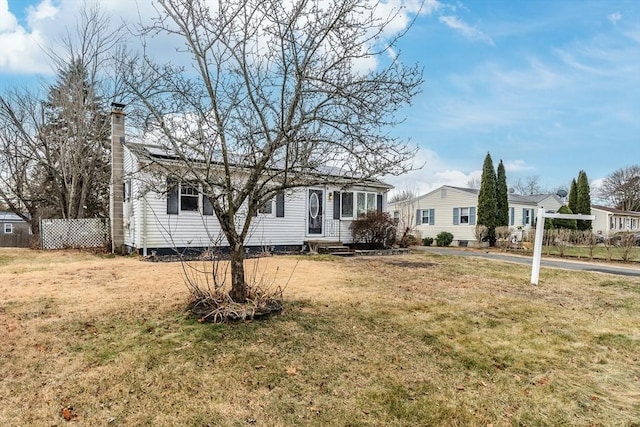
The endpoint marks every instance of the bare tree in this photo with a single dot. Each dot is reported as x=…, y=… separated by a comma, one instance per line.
x=404, y=207
x=622, y=188
x=53, y=150
x=474, y=183
x=530, y=185
x=283, y=95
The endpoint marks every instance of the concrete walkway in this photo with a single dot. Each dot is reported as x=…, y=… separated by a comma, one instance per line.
x=631, y=271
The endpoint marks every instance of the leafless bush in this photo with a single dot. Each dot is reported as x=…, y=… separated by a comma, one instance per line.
x=562, y=240
x=587, y=238
x=480, y=233
x=502, y=236
x=208, y=282
x=626, y=243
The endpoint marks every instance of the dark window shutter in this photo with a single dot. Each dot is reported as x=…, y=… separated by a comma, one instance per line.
x=280, y=205
x=207, y=207
x=432, y=216
x=512, y=211
x=472, y=216
x=379, y=203
x=418, y=217
x=172, y=197
x=456, y=216
x=336, y=205
x=524, y=216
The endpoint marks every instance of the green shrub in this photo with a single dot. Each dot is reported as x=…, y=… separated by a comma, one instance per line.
x=427, y=241
x=569, y=224
x=444, y=238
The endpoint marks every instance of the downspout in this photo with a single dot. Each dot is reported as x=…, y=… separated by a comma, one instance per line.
x=144, y=226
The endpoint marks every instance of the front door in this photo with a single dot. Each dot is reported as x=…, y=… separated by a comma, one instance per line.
x=315, y=212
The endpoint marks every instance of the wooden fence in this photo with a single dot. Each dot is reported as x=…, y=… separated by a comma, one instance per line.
x=16, y=240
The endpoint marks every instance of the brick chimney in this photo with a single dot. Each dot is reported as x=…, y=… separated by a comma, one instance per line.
x=116, y=196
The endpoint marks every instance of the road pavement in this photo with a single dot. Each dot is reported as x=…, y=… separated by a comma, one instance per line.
x=631, y=271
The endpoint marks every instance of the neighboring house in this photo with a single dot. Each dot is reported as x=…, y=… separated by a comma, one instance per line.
x=14, y=231
x=454, y=209
x=183, y=218
x=610, y=220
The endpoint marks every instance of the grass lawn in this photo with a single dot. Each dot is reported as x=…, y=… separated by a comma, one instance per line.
x=407, y=340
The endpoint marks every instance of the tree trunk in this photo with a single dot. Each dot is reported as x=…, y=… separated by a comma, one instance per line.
x=238, y=284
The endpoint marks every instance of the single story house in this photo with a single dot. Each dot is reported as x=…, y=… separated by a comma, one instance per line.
x=454, y=209
x=182, y=217
x=610, y=220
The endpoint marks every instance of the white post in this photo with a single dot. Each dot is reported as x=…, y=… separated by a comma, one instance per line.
x=537, y=247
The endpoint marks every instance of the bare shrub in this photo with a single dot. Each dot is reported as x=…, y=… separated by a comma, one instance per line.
x=376, y=229
x=208, y=282
x=480, y=232
x=626, y=243
x=503, y=235
x=562, y=240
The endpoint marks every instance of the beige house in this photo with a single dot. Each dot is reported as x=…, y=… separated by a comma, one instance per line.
x=610, y=221
x=454, y=209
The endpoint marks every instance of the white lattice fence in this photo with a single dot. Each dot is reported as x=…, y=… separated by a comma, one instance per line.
x=74, y=233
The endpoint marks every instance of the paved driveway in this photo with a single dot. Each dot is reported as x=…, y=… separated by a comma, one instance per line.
x=545, y=262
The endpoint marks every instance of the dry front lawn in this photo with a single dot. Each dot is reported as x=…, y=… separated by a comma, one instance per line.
x=382, y=341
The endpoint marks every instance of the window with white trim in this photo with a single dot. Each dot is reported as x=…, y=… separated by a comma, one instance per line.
x=8, y=229
x=464, y=215
x=396, y=217
x=425, y=216
x=266, y=208
x=528, y=216
x=189, y=197
x=364, y=202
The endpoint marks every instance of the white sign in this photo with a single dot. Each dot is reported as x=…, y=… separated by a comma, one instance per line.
x=537, y=247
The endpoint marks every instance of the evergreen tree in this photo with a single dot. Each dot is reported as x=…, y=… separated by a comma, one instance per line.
x=583, y=203
x=572, y=203
x=502, y=197
x=487, y=201
x=570, y=224
x=75, y=142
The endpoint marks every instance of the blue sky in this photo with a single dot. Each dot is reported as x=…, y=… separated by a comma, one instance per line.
x=548, y=86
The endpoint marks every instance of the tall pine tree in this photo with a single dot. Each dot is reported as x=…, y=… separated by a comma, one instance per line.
x=583, y=203
x=502, y=197
x=487, y=200
x=572, y=203
x=75, y=143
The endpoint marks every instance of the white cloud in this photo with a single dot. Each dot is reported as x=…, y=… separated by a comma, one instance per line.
x=8, y=21
x=517, y=166
x=614, y=17
x=435, y=173
x=468, y=31
x=42, y=11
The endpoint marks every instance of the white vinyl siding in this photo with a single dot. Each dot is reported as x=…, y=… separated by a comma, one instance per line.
x=443, y=201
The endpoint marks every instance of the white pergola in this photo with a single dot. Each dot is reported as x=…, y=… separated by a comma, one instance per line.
x=537, y=247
